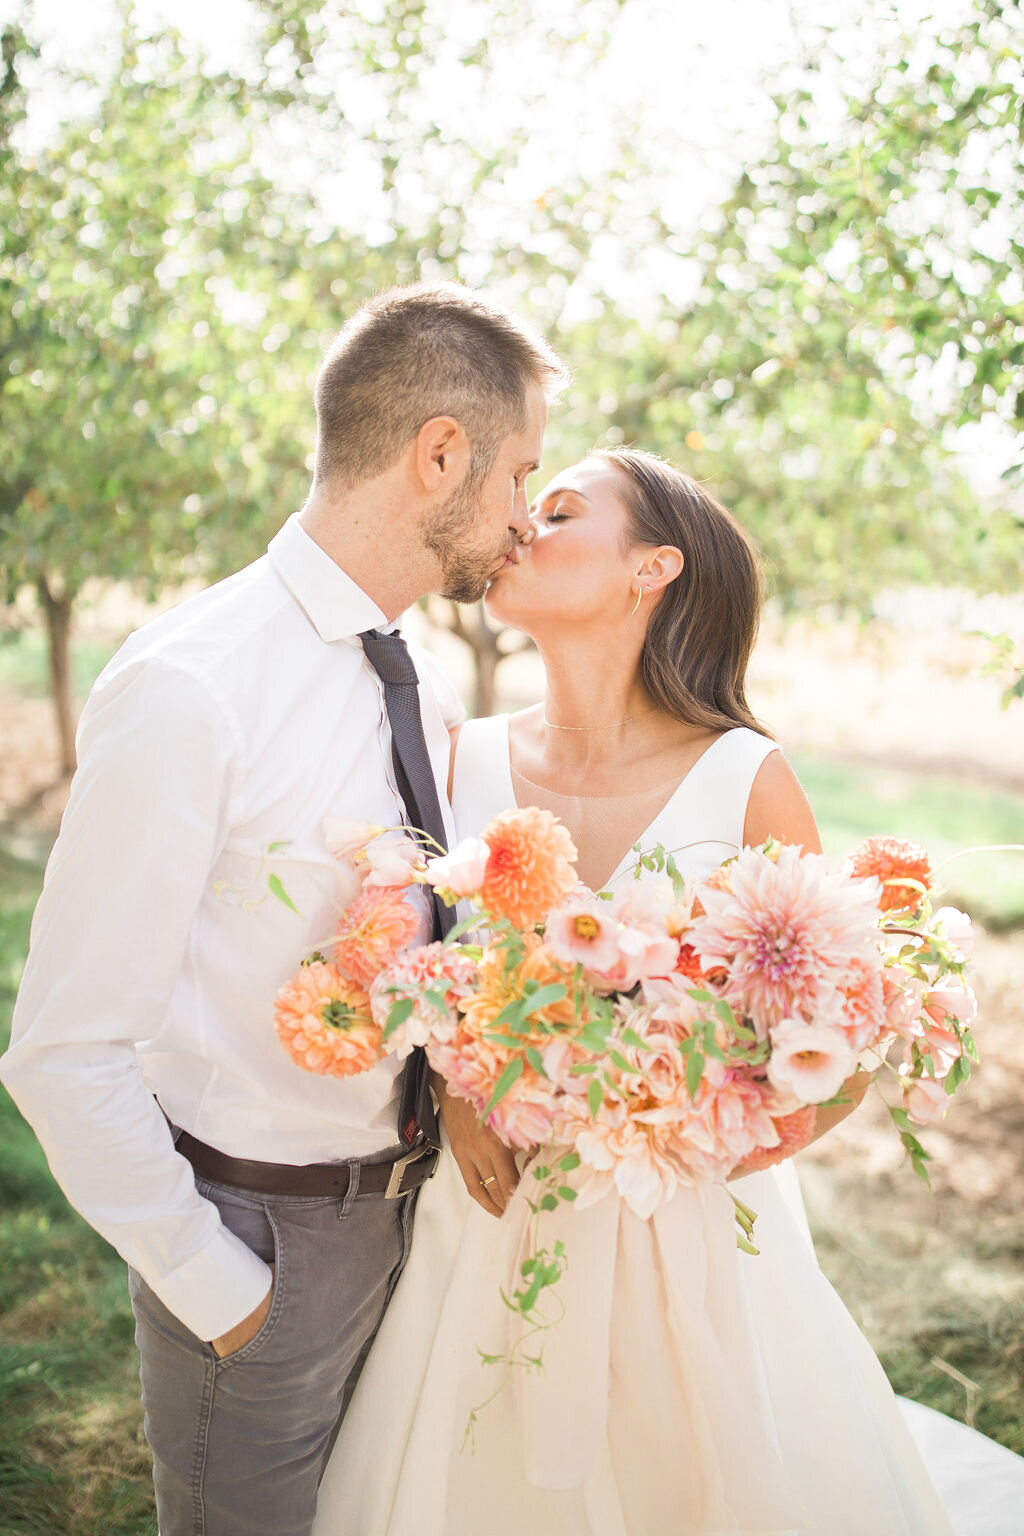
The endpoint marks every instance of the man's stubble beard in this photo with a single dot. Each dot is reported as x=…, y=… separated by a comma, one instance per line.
x=465, y=573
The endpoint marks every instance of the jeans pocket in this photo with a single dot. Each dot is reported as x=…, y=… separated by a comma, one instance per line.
x=244, y=1215
x=275, y=1256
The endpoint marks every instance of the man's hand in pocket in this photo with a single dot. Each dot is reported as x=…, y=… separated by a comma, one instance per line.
x=244, y=1332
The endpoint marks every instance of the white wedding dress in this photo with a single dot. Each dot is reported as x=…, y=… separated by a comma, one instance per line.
x=691, y=1389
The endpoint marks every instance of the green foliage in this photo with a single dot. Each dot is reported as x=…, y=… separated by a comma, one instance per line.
x=857, y=296
x=143, y=267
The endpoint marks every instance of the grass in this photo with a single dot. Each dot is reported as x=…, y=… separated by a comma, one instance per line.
x=936, y=1286
x=73, y=1461
x=854, y=800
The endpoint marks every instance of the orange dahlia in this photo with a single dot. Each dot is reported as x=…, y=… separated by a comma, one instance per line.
x=497, y=986
x=889, y=858
x=372, y=930
x=530, y=868
x=324, y=1022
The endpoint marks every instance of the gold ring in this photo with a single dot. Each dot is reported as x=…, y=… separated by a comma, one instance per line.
x=491, y=1180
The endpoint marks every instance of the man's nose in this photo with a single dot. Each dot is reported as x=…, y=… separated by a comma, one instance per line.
x=519, y=522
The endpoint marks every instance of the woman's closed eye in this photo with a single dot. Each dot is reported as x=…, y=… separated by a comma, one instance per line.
x=555, y=517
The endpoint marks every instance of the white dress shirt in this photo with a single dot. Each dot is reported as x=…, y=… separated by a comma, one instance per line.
x=238, y=721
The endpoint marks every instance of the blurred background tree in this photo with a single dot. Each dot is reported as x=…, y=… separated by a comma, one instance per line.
x=176, y=256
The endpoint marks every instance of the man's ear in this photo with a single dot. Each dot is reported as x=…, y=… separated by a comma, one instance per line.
x=661, y=566
x=441, y=455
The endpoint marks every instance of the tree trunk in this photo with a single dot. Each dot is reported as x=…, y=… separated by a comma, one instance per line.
x=57, y=609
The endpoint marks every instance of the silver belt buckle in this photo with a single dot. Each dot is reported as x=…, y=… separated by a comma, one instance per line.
x=394, y=1188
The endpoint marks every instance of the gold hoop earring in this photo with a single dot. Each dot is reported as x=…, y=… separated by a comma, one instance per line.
x=636, y=605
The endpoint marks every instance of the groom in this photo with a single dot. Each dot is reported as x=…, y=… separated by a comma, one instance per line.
x=266, y=1213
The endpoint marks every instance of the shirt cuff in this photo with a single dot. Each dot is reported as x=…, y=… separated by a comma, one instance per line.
x=217, y=1288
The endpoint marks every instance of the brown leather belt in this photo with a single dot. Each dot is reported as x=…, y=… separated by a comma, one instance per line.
x=311, y=1179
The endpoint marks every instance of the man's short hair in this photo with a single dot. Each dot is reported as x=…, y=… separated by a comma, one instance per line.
x=410, y=354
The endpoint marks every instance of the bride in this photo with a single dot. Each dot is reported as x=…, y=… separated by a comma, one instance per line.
x=691, y=1389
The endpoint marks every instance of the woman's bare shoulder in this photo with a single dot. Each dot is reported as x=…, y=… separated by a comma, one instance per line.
x=778, y=807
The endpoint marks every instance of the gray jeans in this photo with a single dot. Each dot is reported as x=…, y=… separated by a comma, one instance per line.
x=239, y=1445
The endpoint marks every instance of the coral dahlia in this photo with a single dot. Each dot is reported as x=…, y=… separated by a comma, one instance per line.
x=531, y=865
x=324, y=1023
x=372, y=930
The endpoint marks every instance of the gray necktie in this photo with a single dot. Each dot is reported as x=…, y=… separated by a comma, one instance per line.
x=389, y=657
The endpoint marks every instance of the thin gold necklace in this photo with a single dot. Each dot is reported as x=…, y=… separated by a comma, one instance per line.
x=607, y=727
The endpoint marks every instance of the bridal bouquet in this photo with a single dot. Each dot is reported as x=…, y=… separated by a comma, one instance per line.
x=674, y=1032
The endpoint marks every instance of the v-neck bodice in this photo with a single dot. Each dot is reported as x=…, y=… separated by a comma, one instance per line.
x=698, y=818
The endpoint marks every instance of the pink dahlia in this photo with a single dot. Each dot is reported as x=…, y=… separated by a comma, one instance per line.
x=862, y=1013
x=785, y=932
x=446, y=973
x=372, y=930
x=730, y=1120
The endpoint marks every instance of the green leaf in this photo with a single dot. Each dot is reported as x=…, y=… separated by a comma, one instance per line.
x=617, y=1059
x=276, y=847
x=278, y=890
x=543, y=997
x=397, y=1015
x=565, y=1192
x=694, y=1073
x=570, y=1161
x=512, y=1073
x=595, y=1098
x=549, y=1203
x=455, y=934
x=630, y=1037
x=536, y=1061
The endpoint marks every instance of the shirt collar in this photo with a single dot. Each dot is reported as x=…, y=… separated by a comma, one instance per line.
x=335, y=605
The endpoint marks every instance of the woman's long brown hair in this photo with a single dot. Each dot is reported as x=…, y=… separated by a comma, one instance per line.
x=699, y=640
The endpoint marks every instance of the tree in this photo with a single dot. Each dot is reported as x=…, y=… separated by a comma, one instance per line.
x=167, y=293
x=857, y=297
x=131, y=394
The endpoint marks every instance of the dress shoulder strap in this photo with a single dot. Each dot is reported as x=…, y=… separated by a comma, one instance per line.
x=703, y=822
x=732, y=769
